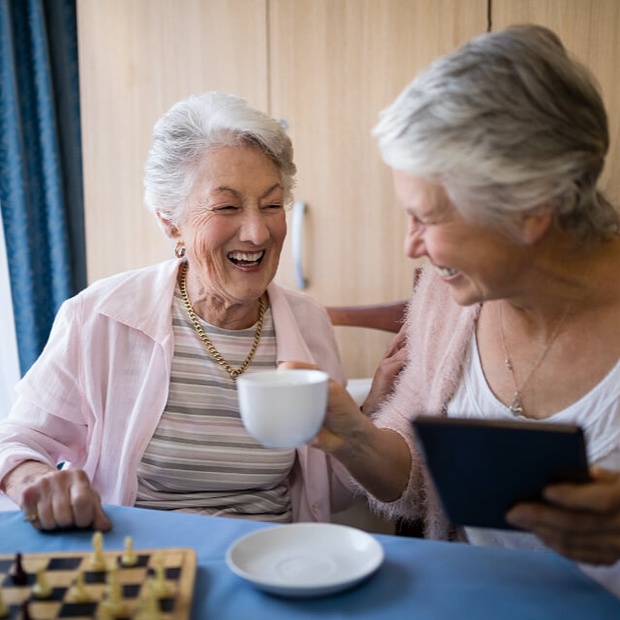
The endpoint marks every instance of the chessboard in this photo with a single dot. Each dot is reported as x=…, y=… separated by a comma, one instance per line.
x=157, y=584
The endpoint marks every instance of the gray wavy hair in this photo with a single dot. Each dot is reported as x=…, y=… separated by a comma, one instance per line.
x=196, y=126
x=506, y=123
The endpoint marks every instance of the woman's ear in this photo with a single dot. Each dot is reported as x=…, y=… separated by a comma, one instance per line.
x=536, y=223
x=171, y=230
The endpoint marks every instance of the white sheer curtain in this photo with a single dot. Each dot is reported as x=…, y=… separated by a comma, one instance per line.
x=9, y=360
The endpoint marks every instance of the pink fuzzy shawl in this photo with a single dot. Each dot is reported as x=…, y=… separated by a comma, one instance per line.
x=438, y=332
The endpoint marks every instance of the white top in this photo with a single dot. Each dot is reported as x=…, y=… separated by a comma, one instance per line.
x=597, y=412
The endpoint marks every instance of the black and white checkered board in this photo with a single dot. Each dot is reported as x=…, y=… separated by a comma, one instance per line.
x=61, y=570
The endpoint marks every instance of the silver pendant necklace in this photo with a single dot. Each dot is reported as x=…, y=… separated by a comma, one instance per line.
x=516, y=406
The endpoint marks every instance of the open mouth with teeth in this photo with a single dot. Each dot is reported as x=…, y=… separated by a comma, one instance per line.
x=446, y=272
x=246, y=259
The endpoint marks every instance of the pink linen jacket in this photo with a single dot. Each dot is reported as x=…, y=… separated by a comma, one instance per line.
x=95, y=396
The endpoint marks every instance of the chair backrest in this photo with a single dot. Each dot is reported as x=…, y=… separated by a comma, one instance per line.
x=386, y=317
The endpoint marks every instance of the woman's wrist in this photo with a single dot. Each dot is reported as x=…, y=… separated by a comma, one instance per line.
x=22, y=476
x=379, y=459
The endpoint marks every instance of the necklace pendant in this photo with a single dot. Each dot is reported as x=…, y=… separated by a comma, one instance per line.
x=516, y=408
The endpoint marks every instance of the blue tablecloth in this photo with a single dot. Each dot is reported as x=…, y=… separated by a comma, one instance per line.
x=418, y=579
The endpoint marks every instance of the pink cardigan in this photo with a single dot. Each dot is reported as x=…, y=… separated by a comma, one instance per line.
x=95, y=395
x=438, y=333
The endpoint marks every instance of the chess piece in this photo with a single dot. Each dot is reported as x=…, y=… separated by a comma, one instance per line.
x=114, y=602
x=129, y=557
x=160, y=585
x=4, y=610
x=97, y=560
x=41, y=588
x=103, y=613
x=78, y=592
x=148, y=607
x=18, y=575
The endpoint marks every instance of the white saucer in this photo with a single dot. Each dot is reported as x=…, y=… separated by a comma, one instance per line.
x=305, y=559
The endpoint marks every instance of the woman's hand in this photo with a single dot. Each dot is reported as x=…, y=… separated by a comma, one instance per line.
x=581, y=521
x=53, y=499
x=343, y=422
x=377, y=458
x=342, y=417
x=389, y=368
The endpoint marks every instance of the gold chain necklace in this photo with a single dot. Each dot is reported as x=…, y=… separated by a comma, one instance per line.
x=233, y=372
x=516, y=406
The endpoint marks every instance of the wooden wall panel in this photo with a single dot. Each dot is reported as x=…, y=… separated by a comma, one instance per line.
x=325, y=66
x=590, y=29
x=137, y=57
x=334, y=65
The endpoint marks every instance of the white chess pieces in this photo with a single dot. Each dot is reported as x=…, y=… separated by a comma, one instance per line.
x=4, y=611
x=114, y=602
x=41, y=588
x=103, y=613
x=148, y=608
x=160, y=585
x=129, y=557
x=97, y=560
x=78, y=592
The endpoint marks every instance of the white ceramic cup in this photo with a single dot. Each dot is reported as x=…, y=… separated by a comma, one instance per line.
x=283, y=408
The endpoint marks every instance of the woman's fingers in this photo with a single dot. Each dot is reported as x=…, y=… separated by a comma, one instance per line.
x=580, y=521
x=294, y=364
x=602, y=495
x=386, y=373
x=64, y=499
x=593, y=546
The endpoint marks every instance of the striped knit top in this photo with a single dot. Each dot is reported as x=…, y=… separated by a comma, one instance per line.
x=201, y=459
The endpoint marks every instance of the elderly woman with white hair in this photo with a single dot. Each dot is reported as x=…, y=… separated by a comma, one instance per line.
x=496, y=151
x=135, y=390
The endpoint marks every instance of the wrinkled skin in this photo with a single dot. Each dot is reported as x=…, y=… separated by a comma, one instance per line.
x=59, y=499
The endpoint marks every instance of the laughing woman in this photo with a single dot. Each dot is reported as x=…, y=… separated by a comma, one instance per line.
x=135, y=390
x=496, y=152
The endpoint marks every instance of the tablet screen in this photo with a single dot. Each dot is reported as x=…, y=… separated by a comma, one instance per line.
x=481, y=468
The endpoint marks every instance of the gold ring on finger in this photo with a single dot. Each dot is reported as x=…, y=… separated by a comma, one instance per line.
x=31, y=518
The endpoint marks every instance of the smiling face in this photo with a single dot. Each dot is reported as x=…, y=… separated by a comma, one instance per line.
x=476, y=261
x=233, y=227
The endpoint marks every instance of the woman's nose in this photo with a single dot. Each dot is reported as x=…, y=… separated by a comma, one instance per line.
x=414, y=244
x=254, y=228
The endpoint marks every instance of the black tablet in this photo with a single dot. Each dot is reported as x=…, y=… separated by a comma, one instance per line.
x=481, y=468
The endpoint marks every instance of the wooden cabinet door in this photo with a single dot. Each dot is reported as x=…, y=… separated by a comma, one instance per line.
x=590, y=30
x=334, y=64
x=137, y=57
x=326, y=67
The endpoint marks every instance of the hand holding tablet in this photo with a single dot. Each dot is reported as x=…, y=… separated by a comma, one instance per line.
x=482, y=468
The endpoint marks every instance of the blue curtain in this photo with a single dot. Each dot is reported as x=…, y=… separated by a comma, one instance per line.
x=40, y=164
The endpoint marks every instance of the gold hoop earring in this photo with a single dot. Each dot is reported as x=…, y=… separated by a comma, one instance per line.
x=179, y=249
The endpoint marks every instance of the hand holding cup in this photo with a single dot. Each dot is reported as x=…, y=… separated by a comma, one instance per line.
x=283, y=408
